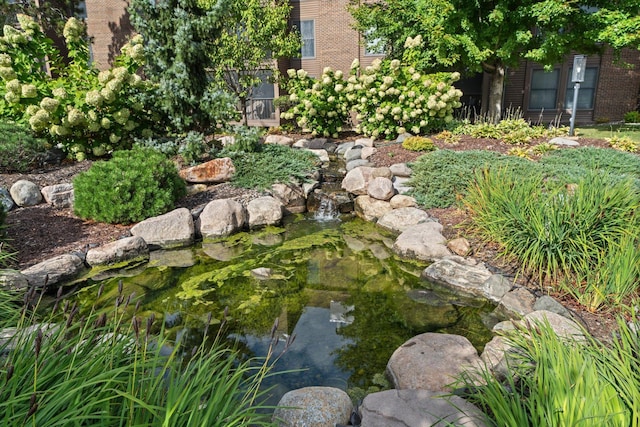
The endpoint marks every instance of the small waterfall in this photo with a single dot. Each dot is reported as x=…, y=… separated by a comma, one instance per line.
x=327, y=209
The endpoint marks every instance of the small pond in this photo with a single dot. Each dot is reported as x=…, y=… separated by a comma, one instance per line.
x=335, y=284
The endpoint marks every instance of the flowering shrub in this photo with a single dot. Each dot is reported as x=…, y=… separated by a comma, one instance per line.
x=319, y=105
x=83, y=111
x=390, y=97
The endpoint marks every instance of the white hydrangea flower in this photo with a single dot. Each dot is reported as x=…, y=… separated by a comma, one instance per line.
x=301, y=74
x=395, y=64
x=104, y=76
x=355, y=64
x=29, y=91
x=338, y=88
x=113, y=138
x=75, y=117
x=49, y=104
x=108, y=95
x=93, y=98
x=105, y=123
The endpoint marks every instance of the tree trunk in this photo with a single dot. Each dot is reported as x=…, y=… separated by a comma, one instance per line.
x=496, y=90
x=245, y=115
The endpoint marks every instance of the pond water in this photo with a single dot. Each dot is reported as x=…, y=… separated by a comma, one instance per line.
x=336, y=285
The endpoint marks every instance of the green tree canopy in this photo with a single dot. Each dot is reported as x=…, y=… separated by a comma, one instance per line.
x=483, y=35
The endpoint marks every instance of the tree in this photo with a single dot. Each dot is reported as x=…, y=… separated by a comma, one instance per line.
x=489, y=35
x=251, y=41
x=180, y=36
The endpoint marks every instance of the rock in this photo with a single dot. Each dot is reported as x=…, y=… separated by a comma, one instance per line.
x=465, y=276
x=358, y=163
x=564, y=141
x=196, y=188
x=216, y=170
x=431, y=361
x=264, y=211
x=227, y=140
x=292, y=197
x=365, y=142
x=368, y=152
x=401, y=184
x=516, y=303
x=496, y=287
x=380, y=188
x=301, y=143
x=321, y=153
x=494, y=353
x=401, y=170
x=6, y=202
x=174, y=229
x=422, y=241
x=342, y=148
x=357, y=180
x=279, y=140
x=402, y=408
x=354, y=153
x=400, y=139
x=331, y=147
x=317, y=143
x=370, y=209
x=127, y=249
x=563, y=327
x=313, y=407
x=262, y=273
x=401, y=201
x=382, y=172
x=54, y=270
x=59, y=195
x=25, y=193
x=547, y=303
x=181, y=258
x=398, y=220
x=308, y=187
x=13, y=280
x=459, y=246
x=221, y=218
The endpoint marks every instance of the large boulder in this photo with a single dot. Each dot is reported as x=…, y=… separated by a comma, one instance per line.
x=313, y=407
x=371, y=209
x=221, y=218
x=13, y=280
x=432, y=361
x=263, y=211
x=128, y=249
x=6, y=201
x=54, y=270
x=357, y=180
x=516, y=303
x=381, y=188
x=422, y=241
x=402, y=408
x=292, y=197
x=25, y=193
x=279, y=140
x=401, y=169
x=400, y=219
x=174, y=229
x=59, y=195
x=216, y=170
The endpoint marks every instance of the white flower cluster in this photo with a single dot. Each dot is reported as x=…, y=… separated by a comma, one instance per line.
x=73, y=30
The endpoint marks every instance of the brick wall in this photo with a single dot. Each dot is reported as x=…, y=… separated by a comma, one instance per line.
x=109, y=27
x=618, y=86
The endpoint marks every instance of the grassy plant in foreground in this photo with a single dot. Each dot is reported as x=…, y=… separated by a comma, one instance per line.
x=100, y=370
x=554, y=381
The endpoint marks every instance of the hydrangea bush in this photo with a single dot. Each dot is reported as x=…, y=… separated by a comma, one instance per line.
x=390, y=97
x=81, y=110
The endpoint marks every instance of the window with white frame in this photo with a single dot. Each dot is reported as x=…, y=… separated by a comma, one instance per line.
x=587, y=91
x=308, y=36
x=373, y=45
x=544, y=89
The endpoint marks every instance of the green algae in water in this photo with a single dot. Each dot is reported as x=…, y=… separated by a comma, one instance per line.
x=337, y=286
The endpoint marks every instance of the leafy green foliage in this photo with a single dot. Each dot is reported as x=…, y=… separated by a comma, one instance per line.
x=122, y=372
x=511, y=131
x=180, y=40
x=130, y=187
x=632, y=117
x=88, y=113
x=623, y=143
x=418, y=143
x=247, y=139
x=20, y=151
x=272, y=164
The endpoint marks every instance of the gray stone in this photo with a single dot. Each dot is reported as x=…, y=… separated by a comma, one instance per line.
x=262, y=273
x=321, y=153
x=382, y=172
x=279, y=140
x=563, y=327
x=402, y=201
x=432, y=361
x=401, y=170
x=354, y=153
x=313, y=407
x=401, y=184
x=59, y=195
x=172, y=230
x=317, y=143
x=403, y=408
x=368, y=152
x=494, y=352
x=358, y=163
x=516, y=303
x=264, y=211
x=220, y=251
x=292, y=197
x=5, y=200
x=461, y=275
x=122, y=250
x=398, y=220
x=357, y=180
x=497, y=287
x=365, y=142
x=221, y=218
x=548, y=303
x=459, y=246
x=301, y=143
x=25, y=193
x=380, y=188
x=564, y=141
x=370, y=209
x=402, y=137
x=308, y=187
x=342, y=148
x=422, y=241
x=13, y=280
x=54, y=270
x=181, y=258
x=216, y=170
x=227, y=140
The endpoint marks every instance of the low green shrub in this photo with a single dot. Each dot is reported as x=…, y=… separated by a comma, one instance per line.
x=273, y=164
x=418, y=143
x=441, y=177
x=247, y=139
x=130, y=187
x=623, y=143
x=632, y=117
x=20, y=151
x=192, y=147
x=511, y=130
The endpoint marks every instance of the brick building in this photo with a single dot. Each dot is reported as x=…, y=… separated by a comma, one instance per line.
x=609, y=90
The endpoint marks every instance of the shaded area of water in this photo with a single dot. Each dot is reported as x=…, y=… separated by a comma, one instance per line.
x=336, y=285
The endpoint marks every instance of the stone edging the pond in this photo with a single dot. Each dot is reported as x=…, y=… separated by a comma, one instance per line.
x=423, y=367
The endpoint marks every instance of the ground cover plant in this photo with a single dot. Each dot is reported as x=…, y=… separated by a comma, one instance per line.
x=97, y=369
x=20, y=151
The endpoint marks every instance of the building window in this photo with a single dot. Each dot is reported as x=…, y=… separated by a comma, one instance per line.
x=544, y=89
x=260, y=105
x=373, y=45
x=587, y=91
x=307, y=33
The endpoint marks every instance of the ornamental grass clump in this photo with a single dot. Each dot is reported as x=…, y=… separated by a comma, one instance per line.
x=110, y=367
x=132, y=186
